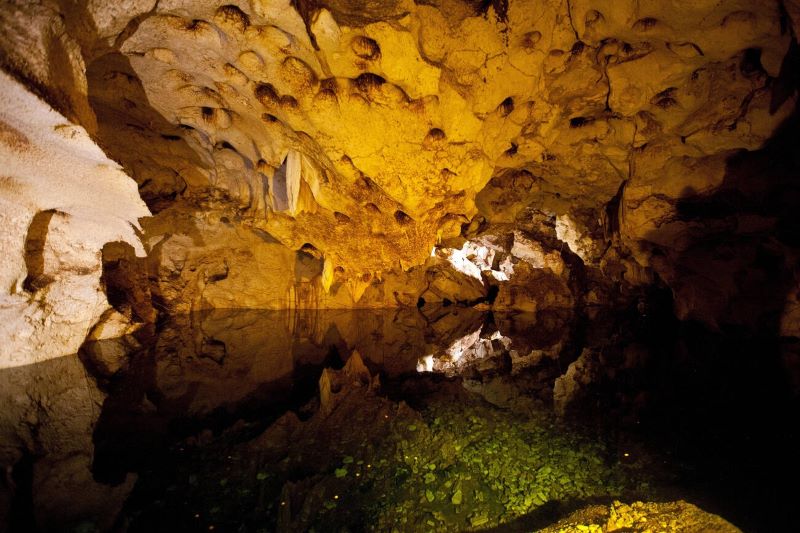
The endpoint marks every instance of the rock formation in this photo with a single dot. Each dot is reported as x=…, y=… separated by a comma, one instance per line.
x=162, y=157
x=62, y=200
x=641, y=516
x=312, y=154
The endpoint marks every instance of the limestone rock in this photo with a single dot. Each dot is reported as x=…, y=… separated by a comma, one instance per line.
x=579, y=242
x=395, y=128
x=62, y=200
x=534, y=254
x=531, y=289
x=309, y=155
x=112, y=324
x=39, y=50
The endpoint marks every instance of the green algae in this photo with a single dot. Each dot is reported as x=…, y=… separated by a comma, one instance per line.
x=467, y=465
x=502, y=464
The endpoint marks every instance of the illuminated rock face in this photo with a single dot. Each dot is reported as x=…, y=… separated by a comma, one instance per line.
x=641, y=516
x=61, y=200
x=311, y=154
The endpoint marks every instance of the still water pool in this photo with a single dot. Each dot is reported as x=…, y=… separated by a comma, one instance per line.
x=400, y=420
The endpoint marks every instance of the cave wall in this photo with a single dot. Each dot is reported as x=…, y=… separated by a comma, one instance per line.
x=62, y=199
x=312, y=154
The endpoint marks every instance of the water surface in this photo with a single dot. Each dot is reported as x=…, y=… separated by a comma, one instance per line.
x=213, y=421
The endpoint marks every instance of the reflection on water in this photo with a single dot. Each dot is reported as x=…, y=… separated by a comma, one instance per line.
x=199, y=371
x=226, y=359
x=47, y=413
x=210, y=369
x=214, y=420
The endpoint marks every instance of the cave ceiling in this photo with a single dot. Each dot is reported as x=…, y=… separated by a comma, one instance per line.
x=370, y=131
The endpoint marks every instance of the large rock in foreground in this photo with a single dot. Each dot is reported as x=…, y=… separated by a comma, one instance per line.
x=667, y=517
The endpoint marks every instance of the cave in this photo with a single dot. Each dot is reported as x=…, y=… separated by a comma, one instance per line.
x=440, y=265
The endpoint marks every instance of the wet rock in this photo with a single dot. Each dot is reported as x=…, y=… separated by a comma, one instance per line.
x=642, y=516
x=581, y=243
x=535, y=255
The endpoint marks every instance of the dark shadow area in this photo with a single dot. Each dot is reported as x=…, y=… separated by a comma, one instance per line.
x=34, y=251
x=125, y=279
x=20, y=481
x=126, y=119
x=174, y=386
x=720, y=397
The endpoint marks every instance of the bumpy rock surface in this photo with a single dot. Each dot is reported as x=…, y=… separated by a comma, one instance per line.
x=369, y=133
x=61, y=200
x=643, y=516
